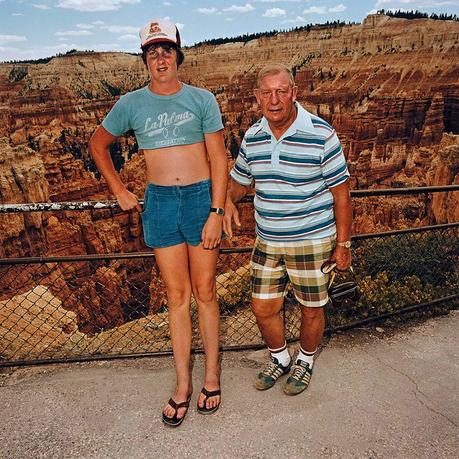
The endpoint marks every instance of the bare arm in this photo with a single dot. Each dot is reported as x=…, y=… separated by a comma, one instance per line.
x=343, y=216
x=98, y=147
x=235, y=193
x=212, y=231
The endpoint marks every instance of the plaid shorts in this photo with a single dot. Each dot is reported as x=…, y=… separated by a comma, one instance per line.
x=274, y=265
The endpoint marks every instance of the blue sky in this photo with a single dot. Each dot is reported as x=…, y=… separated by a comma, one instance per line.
x=31, y=29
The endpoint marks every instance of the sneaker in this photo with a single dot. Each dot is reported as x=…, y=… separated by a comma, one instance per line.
x=299, y=378
x=272, y=372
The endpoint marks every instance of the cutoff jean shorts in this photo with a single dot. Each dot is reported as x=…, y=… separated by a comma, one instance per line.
x=175, y=214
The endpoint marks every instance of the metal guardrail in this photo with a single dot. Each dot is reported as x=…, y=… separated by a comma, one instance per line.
x=98, y=205
x=55, y=309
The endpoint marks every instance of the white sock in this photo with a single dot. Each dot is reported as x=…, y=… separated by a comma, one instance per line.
x=282, y=355
x=306, y=356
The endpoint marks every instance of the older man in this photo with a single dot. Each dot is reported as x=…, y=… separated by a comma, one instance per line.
x=303, y=218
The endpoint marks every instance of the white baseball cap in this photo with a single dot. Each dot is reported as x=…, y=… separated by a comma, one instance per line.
x=159, y=30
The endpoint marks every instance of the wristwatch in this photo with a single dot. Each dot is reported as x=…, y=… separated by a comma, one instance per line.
x=218, y=210
x=345, y=244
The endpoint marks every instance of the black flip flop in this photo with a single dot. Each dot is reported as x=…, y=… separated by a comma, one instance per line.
x=208, y=394
x=174, y=421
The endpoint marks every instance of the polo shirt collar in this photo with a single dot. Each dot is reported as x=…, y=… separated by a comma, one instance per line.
x=302, y=123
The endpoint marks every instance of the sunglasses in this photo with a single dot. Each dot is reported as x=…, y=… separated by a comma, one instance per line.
x=328, y=266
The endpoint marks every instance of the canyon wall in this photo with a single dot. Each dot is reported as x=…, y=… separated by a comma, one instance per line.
x=389, y=86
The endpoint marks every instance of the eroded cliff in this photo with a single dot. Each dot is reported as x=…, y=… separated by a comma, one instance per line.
x=389, y=86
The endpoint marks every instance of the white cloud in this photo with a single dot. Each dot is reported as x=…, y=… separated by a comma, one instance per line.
x=41, y=6
x=274, y=13
x=324, y=10
x=297, y=20
x=337, y=9
x=120, y=29
x=73, y=33
x=277, y=1
x=98, y=23
x=86, y=26
x=95, y=5
x=207, y=10
x=17, y=14
x=228, y=19
x=167, y=3
x=128, y=37
x=12, y=39
x=240, y=9
x=315, y=10
x=180, y=26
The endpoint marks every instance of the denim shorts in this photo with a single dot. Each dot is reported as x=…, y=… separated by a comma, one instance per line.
x=175, y=214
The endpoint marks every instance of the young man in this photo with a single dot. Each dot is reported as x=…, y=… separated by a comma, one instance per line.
x=179, y=130
x=303, y=218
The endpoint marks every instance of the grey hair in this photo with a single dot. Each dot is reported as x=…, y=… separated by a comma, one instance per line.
x=275, y=69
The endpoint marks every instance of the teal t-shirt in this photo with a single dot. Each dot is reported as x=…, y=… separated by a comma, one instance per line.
x=165, y=121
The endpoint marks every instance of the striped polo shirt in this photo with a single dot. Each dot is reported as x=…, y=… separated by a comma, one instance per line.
x=293, y=177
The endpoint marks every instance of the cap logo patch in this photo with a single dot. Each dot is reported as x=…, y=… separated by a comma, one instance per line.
x=154, y=27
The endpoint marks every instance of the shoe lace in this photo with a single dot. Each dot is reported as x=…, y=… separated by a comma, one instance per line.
x=271, y=369
x=299, y=371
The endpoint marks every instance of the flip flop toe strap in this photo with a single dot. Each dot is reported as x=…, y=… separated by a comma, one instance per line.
x=210, y=393
x=176, y=405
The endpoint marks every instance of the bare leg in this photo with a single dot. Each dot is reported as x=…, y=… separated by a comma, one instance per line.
x=203, y=269
x=269, y=320
x=173, y=264
x=312, y=328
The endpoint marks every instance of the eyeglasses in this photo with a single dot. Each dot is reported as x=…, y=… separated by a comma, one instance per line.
x=166, y=51
x=328, y=266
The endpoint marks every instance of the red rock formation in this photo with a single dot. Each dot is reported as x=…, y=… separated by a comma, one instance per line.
x=389, y=86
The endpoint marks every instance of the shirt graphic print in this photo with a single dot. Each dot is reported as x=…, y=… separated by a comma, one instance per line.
x=167, y=129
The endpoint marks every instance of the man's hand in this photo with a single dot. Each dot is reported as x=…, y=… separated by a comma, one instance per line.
x=128, y=200
x=342, y=257
x=211, y=235
x=231, y=213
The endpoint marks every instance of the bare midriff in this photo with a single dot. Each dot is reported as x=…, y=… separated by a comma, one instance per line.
x=180, y=165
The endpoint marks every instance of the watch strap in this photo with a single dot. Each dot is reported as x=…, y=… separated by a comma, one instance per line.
x=218, y=210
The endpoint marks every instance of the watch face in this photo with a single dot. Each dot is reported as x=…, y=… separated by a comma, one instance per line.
x=218, y=210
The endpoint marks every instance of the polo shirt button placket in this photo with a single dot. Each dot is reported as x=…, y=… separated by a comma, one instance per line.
x=275, y=152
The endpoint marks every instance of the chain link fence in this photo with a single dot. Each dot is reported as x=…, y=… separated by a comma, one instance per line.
x=104, y=306
x=53, y=308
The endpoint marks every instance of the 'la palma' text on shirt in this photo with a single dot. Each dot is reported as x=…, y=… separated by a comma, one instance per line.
x=164, y=119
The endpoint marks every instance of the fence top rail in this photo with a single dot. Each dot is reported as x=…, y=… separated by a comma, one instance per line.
x=96, y=205
x=404, y=191
x=142, y=255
